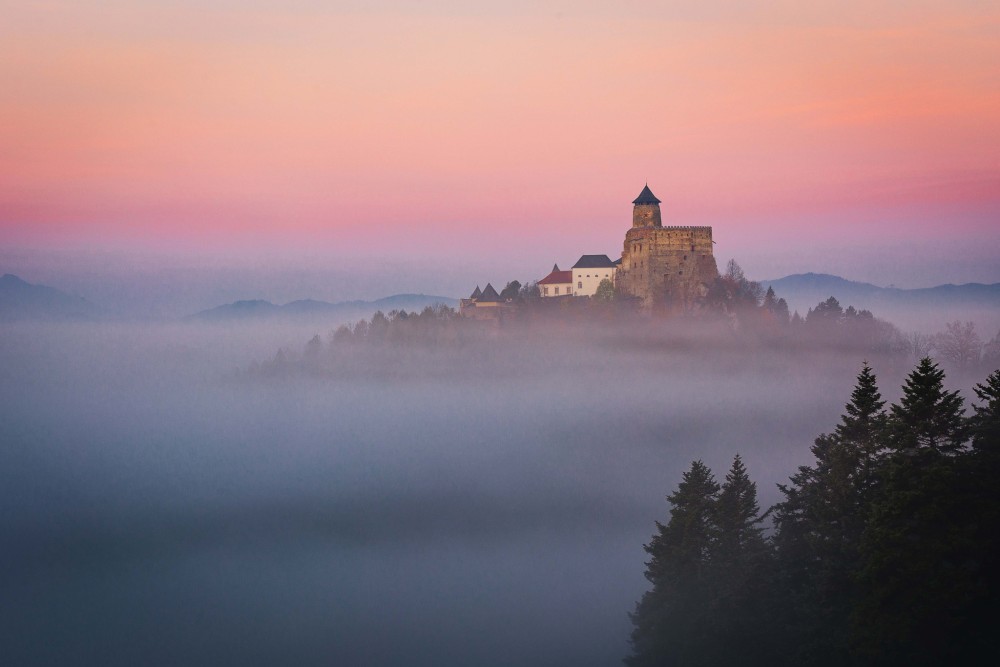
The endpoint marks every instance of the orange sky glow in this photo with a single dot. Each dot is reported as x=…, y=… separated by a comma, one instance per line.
x=305, y=123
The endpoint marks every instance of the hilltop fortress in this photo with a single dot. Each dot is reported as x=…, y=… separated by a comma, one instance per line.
x=663, y=268
x=664, y=265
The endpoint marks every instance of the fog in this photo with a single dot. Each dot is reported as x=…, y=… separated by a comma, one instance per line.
x=483, y=506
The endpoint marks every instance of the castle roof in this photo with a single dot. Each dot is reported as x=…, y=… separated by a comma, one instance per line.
x=557, y=278
x=489, y=295
x=477, y=293
x=594, y=262
x=646, y=197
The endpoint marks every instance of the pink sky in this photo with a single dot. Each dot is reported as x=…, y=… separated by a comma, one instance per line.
x=372, y=128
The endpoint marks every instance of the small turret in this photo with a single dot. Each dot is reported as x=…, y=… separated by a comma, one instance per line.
x=646, y=212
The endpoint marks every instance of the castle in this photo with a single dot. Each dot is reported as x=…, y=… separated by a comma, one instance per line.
x=664, y=265
x=661, y=267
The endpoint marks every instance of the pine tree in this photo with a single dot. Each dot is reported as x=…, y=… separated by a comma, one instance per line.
x=820, y=526
x=928, y=416
x=671, y=619
x=985, y=423
x=914, y=571
x=982, y=469
x=738, y=565
x=737, y=517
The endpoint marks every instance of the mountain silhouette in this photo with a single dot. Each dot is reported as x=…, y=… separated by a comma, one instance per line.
x=21, y=300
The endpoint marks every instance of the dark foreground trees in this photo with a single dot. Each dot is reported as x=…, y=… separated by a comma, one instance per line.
x=884, y=551
x=706, y=566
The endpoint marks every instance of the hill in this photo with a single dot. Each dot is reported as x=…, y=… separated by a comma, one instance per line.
x=922, y=309
x=21, y=300
x=312, y=309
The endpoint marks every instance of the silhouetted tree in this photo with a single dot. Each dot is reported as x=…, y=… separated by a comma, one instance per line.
x=671, y=620
x=916, y=587
x=820, y=525
x=927, y=415
x=511, y=291
x=737, y=577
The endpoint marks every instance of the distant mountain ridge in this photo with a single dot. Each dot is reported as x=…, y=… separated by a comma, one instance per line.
x=918, y=308
x=21, y=300
x=307, y=308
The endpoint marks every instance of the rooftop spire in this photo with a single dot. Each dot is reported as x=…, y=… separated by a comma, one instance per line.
x=646, y=197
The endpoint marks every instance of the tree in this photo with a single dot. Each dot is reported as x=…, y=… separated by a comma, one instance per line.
x=605, y=291
x=958, y=344
x=928, y=416
x=914, y=571
x=531, y=291
x=826, y=313
x=313, y=349
x=991, y=352
x=919, y=345
x=737, y=517
x=738, y=578
x=985, y=423
x=671, y=619
x=511, y=291
x=820, y=525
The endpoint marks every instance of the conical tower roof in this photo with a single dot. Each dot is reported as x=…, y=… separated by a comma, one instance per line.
x=477, y=293
x=489, y=294
x=646, y=197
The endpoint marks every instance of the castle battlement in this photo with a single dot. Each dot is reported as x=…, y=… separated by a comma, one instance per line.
x=664, y=266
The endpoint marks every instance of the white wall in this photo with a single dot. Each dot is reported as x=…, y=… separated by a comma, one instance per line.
x=564, y=289
x=585, y=281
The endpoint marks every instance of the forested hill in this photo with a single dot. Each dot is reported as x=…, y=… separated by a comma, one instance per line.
x=917, y=309
x=309, y=308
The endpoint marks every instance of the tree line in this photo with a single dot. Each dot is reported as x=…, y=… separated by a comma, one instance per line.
x=884, y=551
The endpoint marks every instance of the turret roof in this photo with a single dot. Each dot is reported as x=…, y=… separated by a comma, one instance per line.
x=646, y=197
x=489, y=295
x=477, y=293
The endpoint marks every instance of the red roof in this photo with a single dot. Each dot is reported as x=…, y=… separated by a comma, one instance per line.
x=557, y=277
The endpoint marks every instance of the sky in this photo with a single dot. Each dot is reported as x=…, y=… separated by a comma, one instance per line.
x=858, y=138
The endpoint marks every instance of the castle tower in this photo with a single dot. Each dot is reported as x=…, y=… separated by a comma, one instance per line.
x=646, y=212
x=666, y=268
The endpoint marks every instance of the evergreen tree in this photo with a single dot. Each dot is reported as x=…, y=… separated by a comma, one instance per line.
x=985, y=422
x=983, y=507
x=928, y=416
x=918, y=588
x=739, y=558
x=737, y=517
x=670, y=621
x=820, y=525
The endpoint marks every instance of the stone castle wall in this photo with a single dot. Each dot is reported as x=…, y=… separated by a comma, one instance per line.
x=667, y=266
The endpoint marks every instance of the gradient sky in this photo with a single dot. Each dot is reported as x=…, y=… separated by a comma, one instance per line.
x=476, y=130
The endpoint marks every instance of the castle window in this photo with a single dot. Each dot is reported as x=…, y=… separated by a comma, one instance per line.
x=692, y=248
x=545, y=291
x=557, y=290
x=579, y=285
x=680, y=273
x=685, y=256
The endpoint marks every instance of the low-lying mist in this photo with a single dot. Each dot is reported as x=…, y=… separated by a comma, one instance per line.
x=482, y=504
